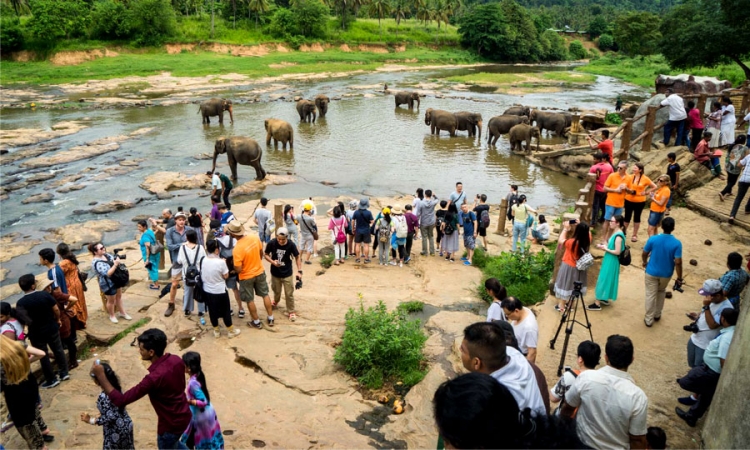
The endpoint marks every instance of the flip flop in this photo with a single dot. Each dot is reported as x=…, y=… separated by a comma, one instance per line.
x=634, y=239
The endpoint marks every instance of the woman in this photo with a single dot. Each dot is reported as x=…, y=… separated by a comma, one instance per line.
x=609, y=274
x=204, y=431
x=105, y=265
x=214, y=272
x=659, y=199
x=728, y=120
x=69, y=265
x=116, y=423
x=449, y=228
x=568, y=274
x=742, y=187
x=541, y=233
x=291, y=224
x=148, y=240
x=498, y=293
x=10, y=323
x=732, y=165
x=520, y=212
x=195, y=220
x=383, y=235
x=415, y=208
x=524, y=325
x=350, y=241
x=330, y=213
x=337, y=225
x=398, y=221
x=714, y=125
x=638, y=188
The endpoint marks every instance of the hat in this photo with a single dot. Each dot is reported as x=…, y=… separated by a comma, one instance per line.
x=307, y=206
x=282, y=231
x=180, y=214
x=397, y=210
x=364, y=203
x=235, y=227
x=711, y=287
x=353, y=204
x=46, y=283
x=386, y=210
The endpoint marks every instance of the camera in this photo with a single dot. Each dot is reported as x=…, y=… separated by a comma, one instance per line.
x=678, y=285
x=298, y=285
x=117, y=255
x=149, y=265
x=577, y=286
x=691, y=328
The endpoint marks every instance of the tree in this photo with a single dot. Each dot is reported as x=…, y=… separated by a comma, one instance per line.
x=482, y=29
x=310, y=17
x=555, y=50
x=522, y=37
x=152, y=21
x=637, y=33
x=282, y=23
x=576, y=50
x=19, y=6
x=110, y=20
x=53, y=20
x=379, y=9
x=399, y=10
x=606, y=42
x=598, y=26
x=257, y=7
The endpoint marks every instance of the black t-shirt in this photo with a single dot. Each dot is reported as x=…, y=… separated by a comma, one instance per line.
x=478, y=209
x=672, y=171
x=283, y=254
x=38, y=307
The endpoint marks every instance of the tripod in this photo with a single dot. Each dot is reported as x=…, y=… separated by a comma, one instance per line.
x=568, y=320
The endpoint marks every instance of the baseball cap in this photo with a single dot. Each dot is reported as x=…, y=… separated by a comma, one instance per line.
x=710, y=287
x=282, y=231
x=180, y=214
x=386, y=210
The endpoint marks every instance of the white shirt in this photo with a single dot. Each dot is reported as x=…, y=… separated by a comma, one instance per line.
x=745, y=175
x=728, y=119
x=527, y=331
x=676, y=107
x=518, y=377
x=212, y=272
x=563, y=385
x=215, y=182
x=747, y=121
x=704, y=337
x=610, y=408
x=543, y=230
x=495, y=312
x=190, y=257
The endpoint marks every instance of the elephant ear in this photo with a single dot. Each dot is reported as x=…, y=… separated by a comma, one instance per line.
x=221, y=145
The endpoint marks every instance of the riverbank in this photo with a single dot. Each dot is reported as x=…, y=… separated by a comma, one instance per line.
x=520, y=84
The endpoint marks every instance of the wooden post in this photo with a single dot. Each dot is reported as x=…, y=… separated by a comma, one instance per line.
x=278, y=216
x=501, y=218
x=650, y=121
x=701, y=106
x=160, y=239
x=627, y=132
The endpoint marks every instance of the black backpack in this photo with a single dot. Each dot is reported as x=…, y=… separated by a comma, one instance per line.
x=193, y=272
x=448, y=227
x=513, y=201
x=121, y=276
x=226, y=253
x=484, y=219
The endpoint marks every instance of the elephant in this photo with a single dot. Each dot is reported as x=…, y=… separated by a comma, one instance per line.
x=438, y=120
x=470, y=122
x=406, y=97
x=523, y=132
x=501, y=125
x=240, y=150
x=306, y=110
x=216, y=107
x=548, y=121
x=517, y=111
x=321, y=102
x=280, y=131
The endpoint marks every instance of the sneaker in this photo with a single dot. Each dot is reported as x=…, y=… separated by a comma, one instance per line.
x=292, y=317
x=594, y=307
x=65, y=377
x=170, y=310
x=50, y=384
x=125, y=316
x=406, y=261
x=241, y=314
x=217, y=334
x=234, y=333
x=258, y=325
x=48, y=438
x=401, y=264
x=6, y=426
x=393, y=263
x=422, y=254
x=690, y=420
x=463, y=258
x=187, y=313
x=270, y=322
x=113, y=319
x=687, y=401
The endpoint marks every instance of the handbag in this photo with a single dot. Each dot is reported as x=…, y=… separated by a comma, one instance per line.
x=529, y=218
x=156, y=248
x=313, y=230
x=585, y=261
x=83, y=276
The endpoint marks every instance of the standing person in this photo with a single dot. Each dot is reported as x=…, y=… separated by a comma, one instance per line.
x=247, y=258
x=399, y=231
x=458, y=197
x=468, y=221
x=439, y=221
x=735, y=279
x=383, y=235
x=707, y=322
x=226, y=215
x=498, y=293
x=606, y=146
x=612, y=409
x=54, y=272
x=662, y=254
x=67, y=332
x=732, y=164
x=728, y=120
x=337, y=225
x=603, y=169
x=175, y=237
x=44, y=329
x=695, y=123
x=588, y=357
x=280, y=252
x=147, y=242
x=521, y=216
x=480, y=209
x=426, y=215
x=615, y=187
x=350, y=228
x=307, y=228
x=117, y=426
x=677, y=116
x=215, y=214
x=226, y=245
x=69, y=265
x=313, y=213
x=195, y=220
x=714, y=126
x=204, y=431
x=412, y=222
x=659, y=199
x=260, y=218
x=191, y=254
x=290, y=222
x=742, y=187
x=568, y=274
x=618, y=103
x=417, y=198
x=541, y=232
x=639, y=186
x=608, y=283
x=226, y=188
x=361, y=221
x=105, y=266
x=215, y=184
x=511, y=199
x=673, y=170
x=524, y=324
x=214, y=273
x=449, y=243
x=164, y=385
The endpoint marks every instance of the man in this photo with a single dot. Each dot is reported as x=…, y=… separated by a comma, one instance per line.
x=603, y=170
x=191, y=252
x=735, y=279
x=484, y=350
x=279, y=252
x=44, y=328
x=677, y=115
x=662, y=255
x=695, y=123
x=606, y=145
x=175, y=237
x=673, y=170
x=426, y=214
x=54, y=272
x=361, y=221
x=214, y=214
x=618, y=103
x=704, y=378
x=588, y=357
x=215, y=184
x=248, y=256
x=467, y=220
x=164, y=385
x=511, y=199
x=306, y=227
x=226, y=188
x=167, y=221
x=260, y=218
x=612, y=410
x=458, y=197
x=707, y=321
x=616, y=188
x=478, y=209
x=226, y=251
x=412, y=224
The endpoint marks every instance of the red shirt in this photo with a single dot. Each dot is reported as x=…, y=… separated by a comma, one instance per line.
x=604, y=169
x=694, y=119
x=165, y=386
x=702, y=151
x=607, y=147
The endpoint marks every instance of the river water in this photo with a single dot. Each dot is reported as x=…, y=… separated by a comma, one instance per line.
x=364, y=145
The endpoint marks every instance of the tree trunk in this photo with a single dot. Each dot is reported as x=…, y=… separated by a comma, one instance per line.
x=212, y=18
x=744, y=66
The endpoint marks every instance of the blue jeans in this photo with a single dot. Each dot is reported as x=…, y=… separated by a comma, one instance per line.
x=671, y=125
x=519, y=230
x=169, y=441
x=538, y=236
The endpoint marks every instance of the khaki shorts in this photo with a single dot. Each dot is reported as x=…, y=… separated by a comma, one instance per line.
x=253, y=286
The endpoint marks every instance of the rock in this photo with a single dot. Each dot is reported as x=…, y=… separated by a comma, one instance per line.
x=297, y=98
x=160, y=183
x=707, y=242
x=40, y=177
x=662, y=115
x=329, y=183
x=16, y=186
x=668, y=294
x=203, y=156
x=131, y=162
x=76, y=235
x=29, y=152
x=3, y=273
x=12, y=248
x=116, y=205
x=9, y=180
x=693, y=262
x=72, y=187
x=66, y=180
x=38, y=198
x=140, y=217
x=92, y=203
x=29, y=136
x=255, y=186
x=692, y=173
x=681, y=84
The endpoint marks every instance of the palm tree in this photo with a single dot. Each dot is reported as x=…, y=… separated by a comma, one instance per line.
x=399, y=12
x=379, y=8
x=423, y=11
x=258, y=7
x=356, y=4
x=19, y=6
x=441, y=12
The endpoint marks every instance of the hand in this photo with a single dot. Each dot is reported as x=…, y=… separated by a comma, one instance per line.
x=693, y=316
x=117, y=262
x=97, y=369
x=601, y=246
x=706, y=301
x=275, y=263
x=85, y=417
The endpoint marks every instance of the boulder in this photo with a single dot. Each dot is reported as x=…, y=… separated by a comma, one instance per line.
x=66, y=180
x=689, y=84
x=28, y=152
x=40, y=177
x=255, y=186
x=29, y=136
x=692, y=173
x=73, y=154
x=160, y=183
x=115, y=205
x=72, y=187
x=13, y=247
x=662, y=115
x=38, y=198
x=76, y=235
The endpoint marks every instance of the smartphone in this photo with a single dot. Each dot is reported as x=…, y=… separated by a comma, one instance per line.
x=572, y=222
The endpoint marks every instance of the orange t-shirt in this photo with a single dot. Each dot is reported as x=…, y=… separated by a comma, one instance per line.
x=640, y=188
x=660, y=194
x=247, y=254
x=570, y=257
x=613, y=198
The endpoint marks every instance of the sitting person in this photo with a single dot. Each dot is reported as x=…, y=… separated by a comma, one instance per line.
x=704, y=155
x=541, y=232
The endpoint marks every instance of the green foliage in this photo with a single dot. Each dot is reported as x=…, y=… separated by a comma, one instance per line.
x=613, y=118
x=525, y=276
x=598, y=26
x=282, y=23
x=411, y=307
x=553, y=46
x=577, y=51
x=327, y=260
x=310, y=18
x=109, y=20
x=11, y=37
x=379, y=346
x=606, y=42
x=53, y=20
x=637, y=33
x=152, y=21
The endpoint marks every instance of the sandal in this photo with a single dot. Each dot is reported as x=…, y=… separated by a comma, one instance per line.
x=634, y=239
x=721, y=196
x=155, y=287
x=335, y=263
x=341, y=261
x=357, y=260
x=367, y=261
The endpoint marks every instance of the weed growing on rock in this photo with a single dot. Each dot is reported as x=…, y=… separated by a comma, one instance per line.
x=526, y=276
x=411, y=307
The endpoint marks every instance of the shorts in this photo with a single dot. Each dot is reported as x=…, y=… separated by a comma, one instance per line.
x=362, y=238
x=176, y=273
x=306, y=243
x=482, y=231
x=654, y=218
x=611, y=211
x=469, y=242
x=232, y=282
x=256, y=285
x=110, y=291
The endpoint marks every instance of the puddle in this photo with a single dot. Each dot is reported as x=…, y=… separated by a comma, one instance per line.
x=368, y=424
x=424, y=315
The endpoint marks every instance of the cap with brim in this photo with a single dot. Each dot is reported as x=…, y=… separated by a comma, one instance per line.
x=282, y=231
x=711, y=287
x=364, y=203
x=397, y=210
x=235, y=227
x=180, y=214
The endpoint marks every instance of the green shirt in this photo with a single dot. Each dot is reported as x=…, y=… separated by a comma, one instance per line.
x=225, y=179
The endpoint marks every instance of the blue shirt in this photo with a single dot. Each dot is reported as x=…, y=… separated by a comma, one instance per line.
x=718, y=349
x=58, y=279
x=664, y=248
x=467, y=220
x=363, y=217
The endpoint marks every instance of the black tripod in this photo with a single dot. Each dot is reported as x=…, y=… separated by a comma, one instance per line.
x=568, y=320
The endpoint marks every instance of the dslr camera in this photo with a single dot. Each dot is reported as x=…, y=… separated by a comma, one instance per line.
x=298, y=284
x=577, y=286
x=678, y=285
x=117, y=253
x=691, y=328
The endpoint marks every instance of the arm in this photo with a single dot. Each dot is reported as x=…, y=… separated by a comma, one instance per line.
x=712, y=324
x=637, y=442
x=531, y=356
x=118, y=398
x=34, y=353
x=650, y=188
x=676, y=179
x=56, y=311
x=644, y=259
x=171, y=244
x=662, y=202
x=678, y=267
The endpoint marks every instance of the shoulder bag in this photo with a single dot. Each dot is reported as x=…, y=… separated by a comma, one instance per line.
x=313, y=230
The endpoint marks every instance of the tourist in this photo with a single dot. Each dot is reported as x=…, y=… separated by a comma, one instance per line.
x=214, y=214
x=290, y=223
x=279, y=253
x=226, y=252
x=458, y=197
x=588, y=357
x=147, y=243
x=214, y=274
x=618, y=103
x=361, y=221
x=468, y=221
x=656, y=438
x=707, y=321
x=728, y=120
x=54, y=272
x=703, y=154
x=191, y=254
x=117, y=426
x=226, y=188
x=735, y=279
x=439, y=221
x=195, y=220
x=215, y=184
x=164, y=385
x=105, y=266
x=524, y=324
x=662, y=255
x=247, y=258
x=11, y=324
x=226, y=214
x=743, y=184
x=337, y=225
x=69, y=265
x=479, y=210
x=540, y=233
x=383, y=235
x=484, y=350
x=714, y=126
x=167, y=221
x=704, y=378
x=568, y=274
x=313, y=212
x=497, y=293
x=603, y=169
x=639, y=186
x=677, y=115
x=204, y=430
x=308, y=229
x=511, y=199
x=415, y=207
x=67, y=333
x=659, y=199
x=607, y=285
x=673, y=170
x=521, y=219
x=349, y=228
x=175, y=237
x=612, y=410
x=606, y=146
x=732, y=165
x=616, y=189
x=695, y=124
x=44, y=331
x=261, y=218
x=412, y=223
x=449, y=243
x=427, y=218
x=399, y=232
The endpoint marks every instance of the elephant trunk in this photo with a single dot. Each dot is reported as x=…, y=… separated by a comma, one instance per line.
x=213, y=167
x=231, y=117
x=417, y=102
x=480, y=129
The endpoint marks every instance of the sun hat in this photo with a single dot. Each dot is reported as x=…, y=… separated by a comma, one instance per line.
x=397, y=210
x=235, y=227
x=353, y=204
x=282, y=231
x=180, y=214
x=711, y=287
x=364, y=203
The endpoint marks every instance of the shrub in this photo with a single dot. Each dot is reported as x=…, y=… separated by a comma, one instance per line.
x=380, y=346
x=310, y=18
x=11, y=37
x=282, y=23
x=613, y=118
x=109, y=20
x=576, y=50
x=556, y=50
x=411, y=307
x=53, y=20
x=606, y=42
x=152, y=21
x=525, y=276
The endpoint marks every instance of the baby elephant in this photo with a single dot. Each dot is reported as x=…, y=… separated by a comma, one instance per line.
x=280, y=131
x=523, y=132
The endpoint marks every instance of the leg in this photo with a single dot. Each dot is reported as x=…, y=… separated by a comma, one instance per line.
x=111, y=306
x=695, y=138
x=660, y=296
x=430, y=237
x=680, y=131
x=213, y=313
x=70, y=344
x=173, y=291
x=652, y=286
x=731, y=181
x=637, y=212
x=225, y=197
x=407, y=247
x=523, y=232
x=742, y=189
x=41, y=344
x=288, y=283
x=516, y=231
x=401, y=252
x=276, y=288
x=224, y=310
x=187, y=298
x=56, y=346
x=118, y=303
x=32, y=435
x=169, y=441
x=668, y=131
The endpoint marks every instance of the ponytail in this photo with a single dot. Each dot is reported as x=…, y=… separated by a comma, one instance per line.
x=193, y=362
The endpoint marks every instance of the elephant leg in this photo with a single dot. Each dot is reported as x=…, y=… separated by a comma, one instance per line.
x=221, y=118
x=291, y=143
x=232, y=165
x=495, y=138
x=452, y=131
x=208, y=119
x=260, y=174
x=268, y=138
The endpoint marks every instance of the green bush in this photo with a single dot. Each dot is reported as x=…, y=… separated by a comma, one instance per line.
x=310, y=18
x=11, y=37
x=606, y=42
x=411, y=307
x=282, y=23
x=53, y=20
x=109, y=20
x=380, y=346
x=152, y=21
x=554, y=46
x=613, y=118
x=525, y=276
x=576, y=50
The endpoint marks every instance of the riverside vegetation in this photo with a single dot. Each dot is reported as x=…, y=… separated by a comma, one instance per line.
x=525, y=274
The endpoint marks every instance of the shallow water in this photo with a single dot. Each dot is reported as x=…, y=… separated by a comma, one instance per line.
x=364, y=145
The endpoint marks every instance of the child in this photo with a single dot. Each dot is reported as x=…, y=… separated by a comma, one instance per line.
x=204, y=430
x=226, y=214
x=703, y=153
x=673, y=170
x=541, y=232
x=116, y=423
x=440, y=218
x=468, y=222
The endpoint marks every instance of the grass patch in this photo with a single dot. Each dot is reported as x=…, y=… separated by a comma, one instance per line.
x=613, y=119
x=569, y=77
x=525, y=276
x=411, y=307
x=128, y=330
x=327, y=260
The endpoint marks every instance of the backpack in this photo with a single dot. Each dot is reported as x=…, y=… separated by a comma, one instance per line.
x=384, y=231
x=270, y=227
x=448, y=228
x=339, y=230
x=120, y=278
x=513, y=201
x=402, y=229
x=193, y=272
x=484, y=219
x=226, y=253
x=624, y=257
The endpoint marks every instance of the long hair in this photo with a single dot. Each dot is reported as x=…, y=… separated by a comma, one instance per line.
x=64, y=251
x=193, y=361
x=112, y=377
x=7, y=310
x=581, y=239
x=14, y=359
x=287, y=208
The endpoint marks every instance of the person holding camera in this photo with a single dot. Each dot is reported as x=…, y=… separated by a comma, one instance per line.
x=662, y=256
x=706, y=323
x=568, y=276
x=279, y=252
x=105, y=265
x=147, y=242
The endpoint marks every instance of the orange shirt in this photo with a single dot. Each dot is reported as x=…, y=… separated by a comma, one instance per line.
x=613, y=198
x=247, y=254
x=570, y=257
x=661, y=194
x=639, y=188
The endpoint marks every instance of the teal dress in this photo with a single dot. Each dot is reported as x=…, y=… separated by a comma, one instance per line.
x=609, y=275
